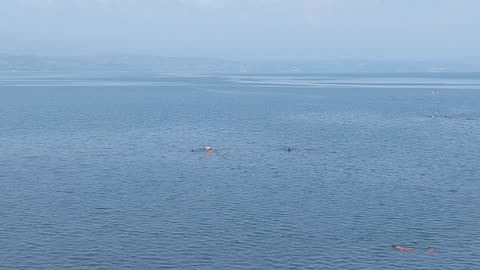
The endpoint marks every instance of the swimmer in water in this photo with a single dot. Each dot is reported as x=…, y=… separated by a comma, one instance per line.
x=208, y=149
x=401, y=249
x=289, y=149
x=430, y=251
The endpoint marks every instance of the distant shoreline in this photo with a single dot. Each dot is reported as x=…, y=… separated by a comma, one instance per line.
x=177, y=65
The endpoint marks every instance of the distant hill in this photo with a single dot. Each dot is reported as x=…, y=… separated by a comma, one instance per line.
x=158, y=64
x=117, y=62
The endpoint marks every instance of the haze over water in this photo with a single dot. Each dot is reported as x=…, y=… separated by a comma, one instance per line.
x=96, y=171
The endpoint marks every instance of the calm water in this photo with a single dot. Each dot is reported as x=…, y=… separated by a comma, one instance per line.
x=96, y=171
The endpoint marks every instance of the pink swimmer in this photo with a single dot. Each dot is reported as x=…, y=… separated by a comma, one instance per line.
x=401, y=249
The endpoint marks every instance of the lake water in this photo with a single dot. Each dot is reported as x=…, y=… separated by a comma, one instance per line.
x=97, y=172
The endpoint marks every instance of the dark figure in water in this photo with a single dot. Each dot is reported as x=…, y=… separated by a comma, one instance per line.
x=289, y=149
x=401, y=249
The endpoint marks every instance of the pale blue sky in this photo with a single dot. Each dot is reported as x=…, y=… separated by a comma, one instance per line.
x=244, y=29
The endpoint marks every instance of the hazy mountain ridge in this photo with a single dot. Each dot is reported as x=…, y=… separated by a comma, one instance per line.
x=114, y=63
x=158, y=64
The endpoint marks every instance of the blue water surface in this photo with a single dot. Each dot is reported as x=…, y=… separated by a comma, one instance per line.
x=97, y=172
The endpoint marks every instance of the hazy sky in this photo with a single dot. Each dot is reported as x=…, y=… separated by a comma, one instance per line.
x=244, y=29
